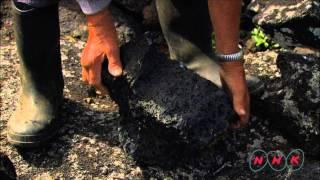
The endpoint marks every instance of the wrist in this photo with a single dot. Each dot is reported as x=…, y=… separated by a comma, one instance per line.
x=227, y=47
x=232, y=56
x=232, y=68
x=229, y=67
x=99, y=19
x=101, y=28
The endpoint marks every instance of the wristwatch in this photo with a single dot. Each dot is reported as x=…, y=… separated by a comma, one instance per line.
x=238, y=56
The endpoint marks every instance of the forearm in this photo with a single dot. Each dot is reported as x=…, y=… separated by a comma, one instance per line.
x=225, y=18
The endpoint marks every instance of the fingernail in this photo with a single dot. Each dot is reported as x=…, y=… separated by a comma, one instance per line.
x=116, y=71
x=242, y=112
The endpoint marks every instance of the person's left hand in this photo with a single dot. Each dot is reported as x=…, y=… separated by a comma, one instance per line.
x=102, y=43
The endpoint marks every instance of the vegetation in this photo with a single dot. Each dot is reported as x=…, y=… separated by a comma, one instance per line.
x=262, y=40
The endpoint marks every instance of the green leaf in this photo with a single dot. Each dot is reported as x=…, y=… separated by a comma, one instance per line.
x=258, y=43
x=276, y=45
x=255, y=31
x=261, y=34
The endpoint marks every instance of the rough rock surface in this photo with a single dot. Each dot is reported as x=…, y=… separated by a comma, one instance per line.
x=293, y=101
x=133, y=5
x=87, y=146
x=7, y=170
x=150, y=14
x=275, y=12
x=127, y=27
x=290, y=22
x=166, y=107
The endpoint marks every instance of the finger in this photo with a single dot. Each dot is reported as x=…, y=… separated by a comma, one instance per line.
x=241, y=107
x=84, y=65
x=84, y=74
x=114, y=65
x=102, y=89
x=246, y=112
x=95, y=78
x=235, y=125
x=244, y=117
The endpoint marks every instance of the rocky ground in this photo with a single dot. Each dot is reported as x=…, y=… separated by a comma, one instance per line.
x=87, y=145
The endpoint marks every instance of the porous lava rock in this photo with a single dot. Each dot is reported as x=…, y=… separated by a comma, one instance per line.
x=132, y=5
x=290, y=22
x=168, y=111
x=292, y=102
x=7, y=170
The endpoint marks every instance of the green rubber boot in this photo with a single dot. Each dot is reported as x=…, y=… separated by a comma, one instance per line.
x=187, y=28
x=37, y=35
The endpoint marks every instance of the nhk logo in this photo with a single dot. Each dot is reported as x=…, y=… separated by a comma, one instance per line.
x=276, y=160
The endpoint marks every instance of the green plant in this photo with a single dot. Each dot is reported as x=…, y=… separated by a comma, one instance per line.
x=259, y=37
x=262, y=40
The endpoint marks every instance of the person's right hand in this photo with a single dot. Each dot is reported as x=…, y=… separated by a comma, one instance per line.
x=233, y=79
x=102, y=43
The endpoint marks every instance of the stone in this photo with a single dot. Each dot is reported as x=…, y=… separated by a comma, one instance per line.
x=167, y=111
x=307, y=51
x=72, y=20
x=256, y=5
x=7, y=170
x=290, y=22
x=150, y=15
x=292, y=102
x=277, y=12
x=127, y=27
x=311, y=170
x=132, y=5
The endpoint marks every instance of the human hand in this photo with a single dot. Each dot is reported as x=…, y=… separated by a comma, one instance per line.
x=102, y=43
x=233, y=80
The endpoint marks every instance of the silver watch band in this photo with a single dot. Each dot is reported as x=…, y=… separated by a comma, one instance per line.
x=238, y=56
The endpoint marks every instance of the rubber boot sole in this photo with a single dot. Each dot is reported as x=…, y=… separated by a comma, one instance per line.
x=30, y=141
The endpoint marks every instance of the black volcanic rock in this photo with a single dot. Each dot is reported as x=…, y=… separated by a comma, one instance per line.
x=293, y=102
x=167, y=110
x=7, y=170
x=132, y=5
x=289, y=22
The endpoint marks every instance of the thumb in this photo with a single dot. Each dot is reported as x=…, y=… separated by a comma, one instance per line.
x=243, y=114
x=114, y=64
